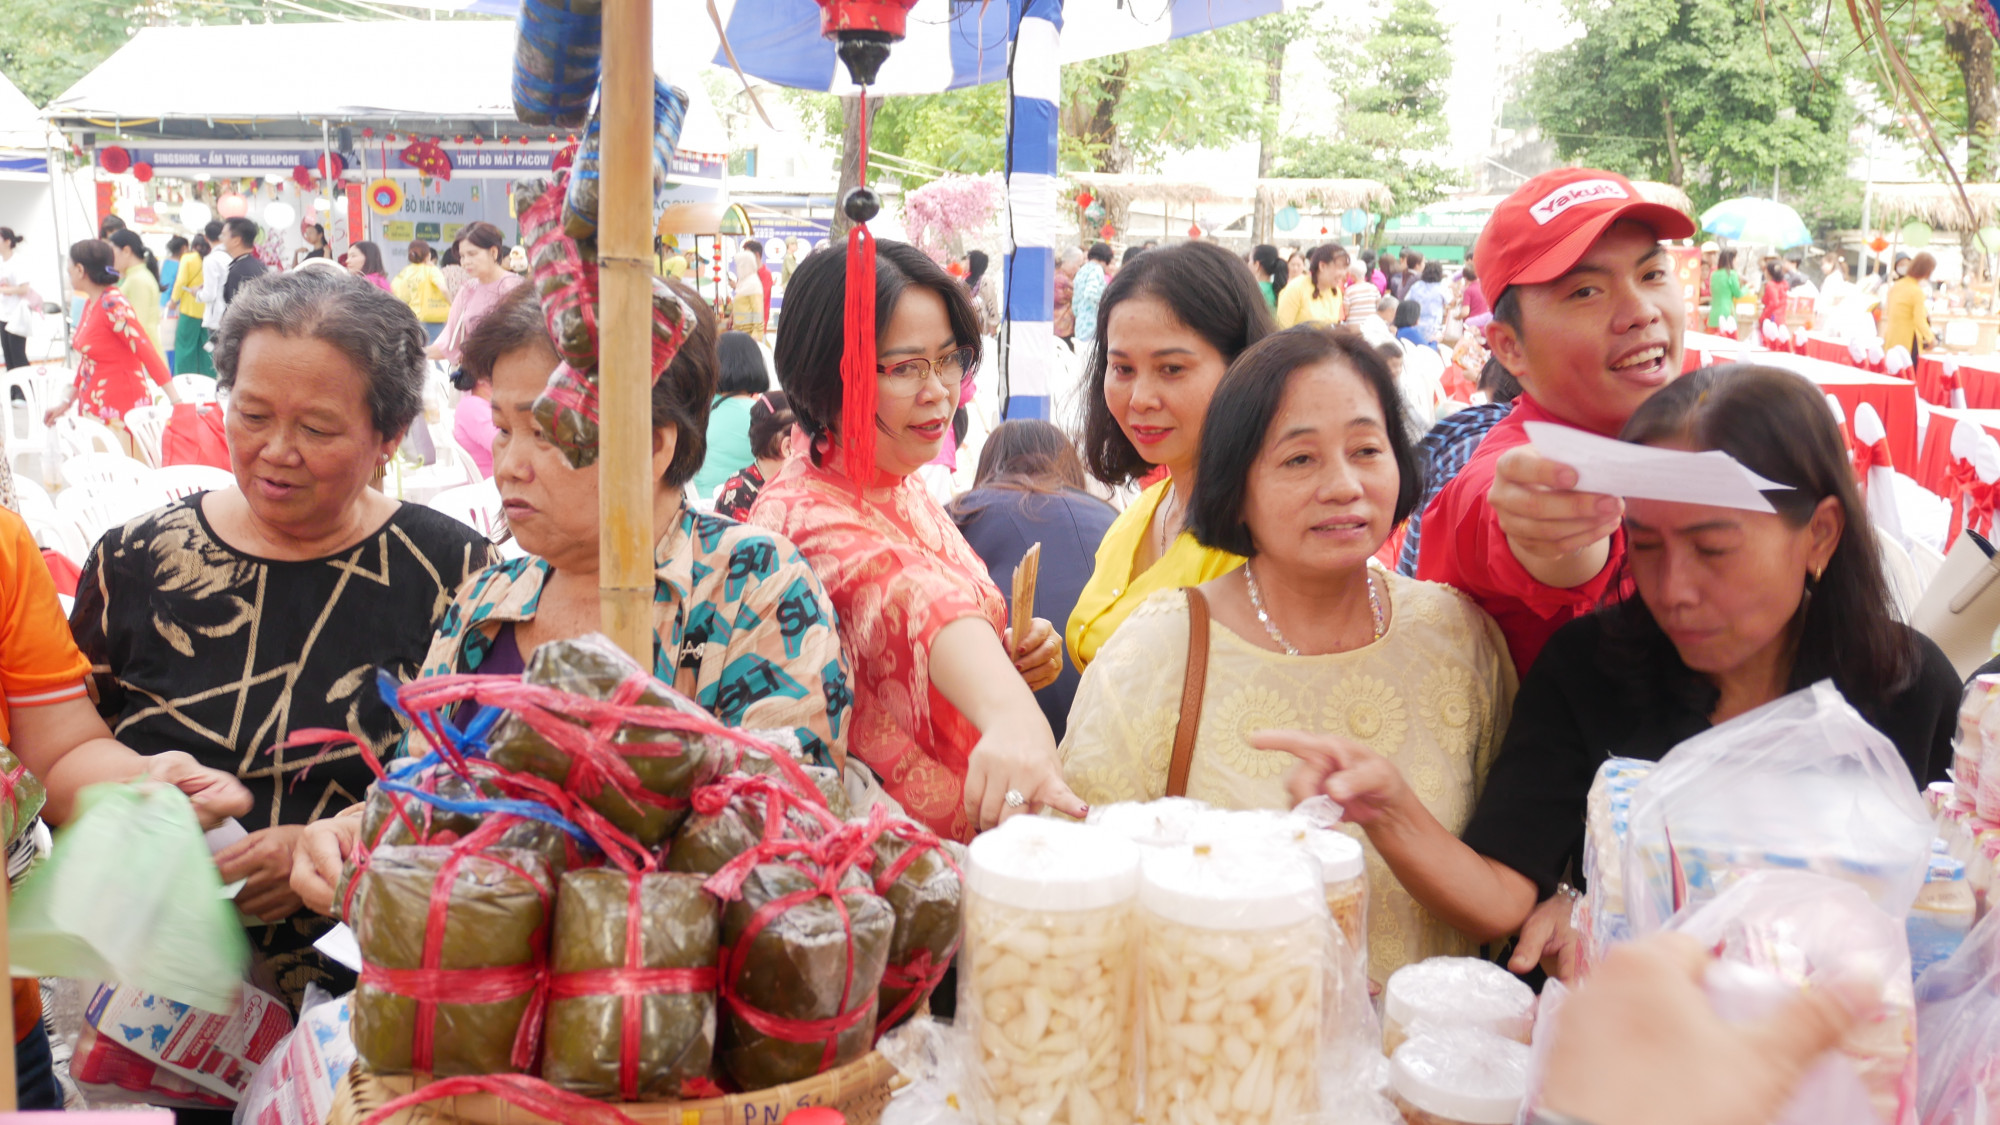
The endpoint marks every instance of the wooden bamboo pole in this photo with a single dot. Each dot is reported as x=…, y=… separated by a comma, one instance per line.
x=625, y=246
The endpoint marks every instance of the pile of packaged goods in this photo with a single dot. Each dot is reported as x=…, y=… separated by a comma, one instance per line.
x=593, y=881
x=1163, y=963
x=1791, y=840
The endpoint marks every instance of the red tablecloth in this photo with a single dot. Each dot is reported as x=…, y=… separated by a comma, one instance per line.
x=1934, y=469
x=1894, y=398
x=1978, y=375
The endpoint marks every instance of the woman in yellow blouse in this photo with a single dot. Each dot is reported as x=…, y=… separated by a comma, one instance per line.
x=190, y=338
x=1906, y=322
x=1314, y=297
x=139, y=280
x=421, y=286
x=746, y=305
x=1174, y=319
x=1306, y=468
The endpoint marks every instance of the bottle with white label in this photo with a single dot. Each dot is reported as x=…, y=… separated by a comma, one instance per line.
x=1942, y=915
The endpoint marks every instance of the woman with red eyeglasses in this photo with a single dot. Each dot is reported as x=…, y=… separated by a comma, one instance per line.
x=943, y=704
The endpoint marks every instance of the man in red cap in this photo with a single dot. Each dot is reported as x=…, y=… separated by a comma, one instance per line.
x=1587, y=314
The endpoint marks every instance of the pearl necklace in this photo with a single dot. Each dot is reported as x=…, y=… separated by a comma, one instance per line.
x=1264, y=618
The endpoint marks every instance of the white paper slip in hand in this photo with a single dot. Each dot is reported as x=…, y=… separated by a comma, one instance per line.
x=1642, y=472
x=340, y=945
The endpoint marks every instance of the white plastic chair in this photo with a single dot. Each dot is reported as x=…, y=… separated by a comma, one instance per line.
x=148, y=427
x=27, y=434
x=97, y=510
x=74, y=436
x=195, y=388
x=34, y=500
x=452, y=469
x=58, y=532
x=475, y=505
x=177, y=481
x=104, y=471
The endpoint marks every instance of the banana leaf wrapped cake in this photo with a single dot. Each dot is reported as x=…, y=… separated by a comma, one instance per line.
x=632, y=1009
x=453, y=941
x=799, y=971
x=638, y=777
x=919, y=875
x=731, y=816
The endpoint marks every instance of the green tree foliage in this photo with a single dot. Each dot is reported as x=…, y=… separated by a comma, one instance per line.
x=1392, y=120
x=1690, y=92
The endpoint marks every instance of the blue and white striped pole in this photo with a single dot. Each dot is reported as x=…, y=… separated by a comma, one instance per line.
x=1034, y=89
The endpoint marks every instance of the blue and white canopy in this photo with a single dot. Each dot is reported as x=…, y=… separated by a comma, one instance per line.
x=951, y=43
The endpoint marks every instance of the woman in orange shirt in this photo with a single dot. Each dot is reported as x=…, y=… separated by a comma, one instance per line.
x=48, y=721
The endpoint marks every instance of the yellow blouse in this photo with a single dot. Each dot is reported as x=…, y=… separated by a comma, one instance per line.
x=1298, y=305
x=187, y=287
x=1433, y=696
x=1113, y=591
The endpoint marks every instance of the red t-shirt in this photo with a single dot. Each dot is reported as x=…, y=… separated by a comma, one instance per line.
x=1463, y=546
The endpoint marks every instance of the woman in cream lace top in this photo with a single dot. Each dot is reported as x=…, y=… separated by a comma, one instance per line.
x=1308, y=636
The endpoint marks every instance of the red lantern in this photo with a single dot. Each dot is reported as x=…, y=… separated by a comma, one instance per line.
x=428, y=159
x=477, y=139
x=552, y=138
x=302, y=176
x=368, y=132
x=572, y=138
x=1107, y=231
x=115, y=160
x=863, y=30
x=1322, y=230
x=458, y=138
x=331, y=165
x=1084, y=200
x=1194, y=231
x=1878, y=244
x=142, y=173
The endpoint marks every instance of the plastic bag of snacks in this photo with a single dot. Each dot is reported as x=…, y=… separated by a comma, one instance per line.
x=638, y=777
x=558, y=54
x=1958, y=1023
x=1048, y=971
x=1606, y=824
x=453, y=942
x=1803, y=782
x=805, y=940
x=1455, y=992
x=1152, y=824
x=111, y=1074
x=1459, y=1076
x=1233, y=973
x=919, y=876
x=1803, y=928
x=669, y=110
x=632, y=988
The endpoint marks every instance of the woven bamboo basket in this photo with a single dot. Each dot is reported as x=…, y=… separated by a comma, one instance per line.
x=860, y=1090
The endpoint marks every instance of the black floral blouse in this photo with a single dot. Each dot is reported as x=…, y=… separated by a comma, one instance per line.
x=197, y=646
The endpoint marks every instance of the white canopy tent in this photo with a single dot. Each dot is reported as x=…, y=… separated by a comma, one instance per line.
x=48, y=212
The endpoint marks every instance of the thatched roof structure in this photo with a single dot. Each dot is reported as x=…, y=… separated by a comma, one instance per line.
x=1325, y=196
x=1938, y=204
x=1654, y=192
x=1120, y=189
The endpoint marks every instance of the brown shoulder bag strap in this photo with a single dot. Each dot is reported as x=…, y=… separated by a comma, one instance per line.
x=1192, y=686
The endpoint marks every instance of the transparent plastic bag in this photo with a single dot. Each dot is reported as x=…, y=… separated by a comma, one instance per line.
x=1958, y=1023
x=130, y=894
x=1803, y=783
x=1798, y=930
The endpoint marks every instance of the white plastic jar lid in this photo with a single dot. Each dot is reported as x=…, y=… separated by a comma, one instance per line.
x=1160, y=823
x=1460, y=992
x=1462, y=1074
x=1235, y=885
x=1339, y=855
x=1035, y=863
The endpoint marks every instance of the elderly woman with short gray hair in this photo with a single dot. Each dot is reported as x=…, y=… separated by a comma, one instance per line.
x=227, y=621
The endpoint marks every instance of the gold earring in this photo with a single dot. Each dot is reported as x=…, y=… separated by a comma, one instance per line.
x=1818, y=571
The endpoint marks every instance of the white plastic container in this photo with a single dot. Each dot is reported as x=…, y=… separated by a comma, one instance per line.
x=1047, y=973
x=1153, y=824
x=1450, y=992
x=1233, y=979
x=1459, y=1076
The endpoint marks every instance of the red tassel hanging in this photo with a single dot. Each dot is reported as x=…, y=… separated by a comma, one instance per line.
x=857, y=359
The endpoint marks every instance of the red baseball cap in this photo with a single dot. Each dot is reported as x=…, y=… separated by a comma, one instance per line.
x=1542, y=230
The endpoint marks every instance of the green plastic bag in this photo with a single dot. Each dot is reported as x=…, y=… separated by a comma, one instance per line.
x=130, y=895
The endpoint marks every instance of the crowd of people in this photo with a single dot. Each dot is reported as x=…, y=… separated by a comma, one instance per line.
x=1453, y=691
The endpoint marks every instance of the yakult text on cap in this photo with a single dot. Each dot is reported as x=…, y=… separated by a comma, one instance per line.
x=1567, y=196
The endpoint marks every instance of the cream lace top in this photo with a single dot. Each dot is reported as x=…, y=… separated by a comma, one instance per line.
x=1433, y=696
